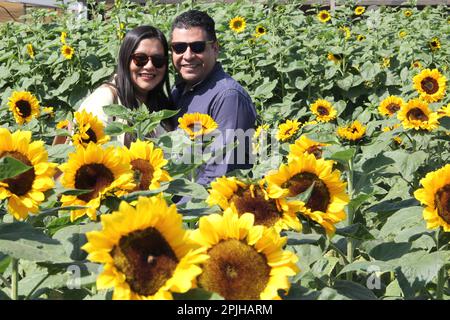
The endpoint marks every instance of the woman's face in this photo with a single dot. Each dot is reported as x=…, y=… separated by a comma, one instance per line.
x=145, y=76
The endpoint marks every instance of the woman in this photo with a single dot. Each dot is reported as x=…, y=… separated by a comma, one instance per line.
x=141, y=76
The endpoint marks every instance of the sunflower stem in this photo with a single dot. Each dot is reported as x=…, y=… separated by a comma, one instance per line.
x=15, y=279
x=349, y=275
x=441, y=275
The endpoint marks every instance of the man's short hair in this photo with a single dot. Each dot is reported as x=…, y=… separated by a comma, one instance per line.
x=196, y=18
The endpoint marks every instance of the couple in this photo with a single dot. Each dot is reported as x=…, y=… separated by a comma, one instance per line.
x=204, y=87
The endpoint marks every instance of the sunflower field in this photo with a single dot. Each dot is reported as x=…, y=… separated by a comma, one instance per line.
x=348, y=198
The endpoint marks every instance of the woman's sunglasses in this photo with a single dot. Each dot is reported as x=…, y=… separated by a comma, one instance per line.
x=141, y=59
x=196, y=47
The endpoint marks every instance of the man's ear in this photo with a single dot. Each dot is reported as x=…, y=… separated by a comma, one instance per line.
x=216, y=47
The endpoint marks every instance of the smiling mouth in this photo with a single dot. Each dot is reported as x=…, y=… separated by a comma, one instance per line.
x=147, y=76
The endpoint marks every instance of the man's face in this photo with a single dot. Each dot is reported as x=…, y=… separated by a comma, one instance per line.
x=194, y=67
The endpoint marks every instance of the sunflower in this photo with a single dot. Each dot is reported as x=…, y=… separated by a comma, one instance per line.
x=305, y=145
x=435, y=195
x=360, y=37
x=390, y=105
x=24, y=106
x=63, y=37
x=88, y=129
x=64, y=124
x=145, y=251
x=324, y=16
x=245, y=261
x=435, y=44
x=359, y=10
x=353, y=131
x=30, y=50
x=402, y=34
x=254, y=199
x=103, y=171
x=25, y=191
x=386, y=63
x=197, y=124
x=336, y=58
x=407, y=13
x=416, y=64
x=444, y=111
x=260, y=30
x=67, y=51
x=287, y=129
x=430, y=84
x=417, y=115
x=346, y=31
x=328, y=197
x=237, y=24
x=147, y=163
x=259, y=137
x=323, y=110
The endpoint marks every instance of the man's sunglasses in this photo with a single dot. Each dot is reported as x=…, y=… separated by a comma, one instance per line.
x=141, y=59
x=196, y=47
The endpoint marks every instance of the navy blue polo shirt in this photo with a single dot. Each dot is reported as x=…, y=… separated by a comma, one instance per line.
x=227, y=102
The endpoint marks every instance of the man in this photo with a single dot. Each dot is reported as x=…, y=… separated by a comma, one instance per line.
x=204, y=87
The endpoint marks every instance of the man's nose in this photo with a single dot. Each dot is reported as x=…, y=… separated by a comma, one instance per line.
x=188, y=54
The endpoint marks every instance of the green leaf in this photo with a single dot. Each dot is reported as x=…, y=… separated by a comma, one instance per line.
x=407, y=163
x=390, y=205
x=343, y=156
x=355, y=203
x=356, y=231
x=117, y=110
x=265, y=91
x=301, y=84
x=100, y=74
x=304, y=196
x=368, y=266
x=117, y=128
x=11, y=167
x=353, y=290
x=73, y=238
x=370, y=70
x=416, y=269
x=59, y=151
x=402, y=219
x=184, y=187
x=390, y=250
x=75, y=192
x=67, y=83
x=22, y=241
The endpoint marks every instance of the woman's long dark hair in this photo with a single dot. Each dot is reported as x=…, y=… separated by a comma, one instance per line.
x=157, y=99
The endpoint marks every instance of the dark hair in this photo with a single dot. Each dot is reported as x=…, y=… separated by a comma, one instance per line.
x=196, y=18
x=157, y=99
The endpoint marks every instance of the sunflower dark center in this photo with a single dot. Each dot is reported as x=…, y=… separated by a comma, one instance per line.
x=92, y=136
x=22, y=183
x=143, y=173
x=24, y=108
x=416, y=114
x=265, y=211
x=261, y=30
x=237, y=24
x=94, y=176
x=324, y=16
x=323, y=111
x=429, y=85
x=354, y=130
x=315, y=150
x=442, y=203
x=434, y=44
x=235, y=270
x=146, y=259
x=393, y=108
x=320, y=196
x=196, y=126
